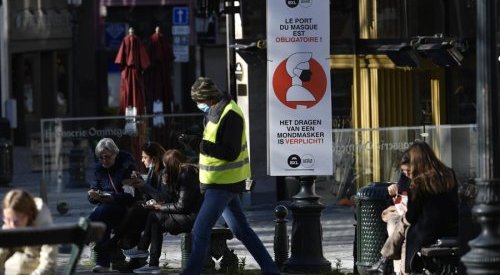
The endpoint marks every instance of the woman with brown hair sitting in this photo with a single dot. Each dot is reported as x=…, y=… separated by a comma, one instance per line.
x=432, y=210
x=180, y=179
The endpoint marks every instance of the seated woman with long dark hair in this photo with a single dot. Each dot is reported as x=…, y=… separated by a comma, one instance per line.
x=181, y=182
x=144, y=189
x=433, y=204
x=432, y=211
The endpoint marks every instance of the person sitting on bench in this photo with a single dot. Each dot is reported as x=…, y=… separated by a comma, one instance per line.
x=21, y=209
x=399, y=192
x=182, y=184
x=432, y=210
x=108, y=194
x=128, y=234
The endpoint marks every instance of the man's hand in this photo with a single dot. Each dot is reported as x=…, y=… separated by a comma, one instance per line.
x=135, y=180
x=392, y=189
x=94, y=194
x=191, y=142
x=155, y=206
x=99, y=196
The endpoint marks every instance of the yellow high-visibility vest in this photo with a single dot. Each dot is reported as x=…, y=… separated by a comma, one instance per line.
x=218, y=171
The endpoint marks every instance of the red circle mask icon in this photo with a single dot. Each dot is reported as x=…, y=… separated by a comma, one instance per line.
x=299, y=81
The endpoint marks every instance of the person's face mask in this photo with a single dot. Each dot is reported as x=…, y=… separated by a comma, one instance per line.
x=203, y=107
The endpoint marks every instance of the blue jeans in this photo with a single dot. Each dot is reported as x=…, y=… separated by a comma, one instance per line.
x=215, y=203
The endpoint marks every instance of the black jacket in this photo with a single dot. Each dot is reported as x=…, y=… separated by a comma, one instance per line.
x=178, y=215
x=431, y=217
x=152, y=189
x=121, y=169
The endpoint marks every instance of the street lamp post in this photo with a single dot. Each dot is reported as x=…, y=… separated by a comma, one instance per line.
x=484, y=255
x=307, y=234
x=73, y=6
x=230, y=9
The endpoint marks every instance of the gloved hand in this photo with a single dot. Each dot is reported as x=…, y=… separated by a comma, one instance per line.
x=191, y=142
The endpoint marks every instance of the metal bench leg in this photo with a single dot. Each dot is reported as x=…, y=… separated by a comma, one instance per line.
x=77, y=246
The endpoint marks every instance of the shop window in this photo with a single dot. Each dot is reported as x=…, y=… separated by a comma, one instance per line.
x=341, y=98
x=341, y=14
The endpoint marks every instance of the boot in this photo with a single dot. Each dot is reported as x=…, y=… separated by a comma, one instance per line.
x=380, y=267
x=117, y=259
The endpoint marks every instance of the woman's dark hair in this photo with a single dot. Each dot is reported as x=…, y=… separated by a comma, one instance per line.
x=429, y=174
x=155, y=151
x=175, y=161
x=405, y=158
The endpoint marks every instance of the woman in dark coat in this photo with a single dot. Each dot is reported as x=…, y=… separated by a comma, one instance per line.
x=181, y=183
x=432, y=205
x=150, y=187
x=432, y=210
x=144, y=189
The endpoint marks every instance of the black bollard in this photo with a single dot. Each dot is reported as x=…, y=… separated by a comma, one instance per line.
x=307, y=234
x=6, y=162
x=280, y=236
x=220, y=251
x=186, y=243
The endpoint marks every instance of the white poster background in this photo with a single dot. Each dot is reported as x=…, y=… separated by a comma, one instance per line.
x=299, y=98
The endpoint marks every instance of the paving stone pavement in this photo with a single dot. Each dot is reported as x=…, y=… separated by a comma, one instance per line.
x=337, y=222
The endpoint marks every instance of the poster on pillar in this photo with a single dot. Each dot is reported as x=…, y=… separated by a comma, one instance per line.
x=298, y=90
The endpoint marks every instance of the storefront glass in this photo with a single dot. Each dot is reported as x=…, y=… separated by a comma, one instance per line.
x=65, y=154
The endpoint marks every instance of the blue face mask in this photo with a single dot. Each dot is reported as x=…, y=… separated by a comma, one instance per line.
x=203, y=107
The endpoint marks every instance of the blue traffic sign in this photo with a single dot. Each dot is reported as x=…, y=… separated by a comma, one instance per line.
x=180, y=16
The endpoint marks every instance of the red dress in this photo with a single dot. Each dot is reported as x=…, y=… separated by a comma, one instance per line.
x=160, y=83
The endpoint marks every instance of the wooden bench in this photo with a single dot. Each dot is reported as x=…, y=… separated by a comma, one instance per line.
x=77, y=234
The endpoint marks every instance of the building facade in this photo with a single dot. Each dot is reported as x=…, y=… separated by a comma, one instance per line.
x=392, y=63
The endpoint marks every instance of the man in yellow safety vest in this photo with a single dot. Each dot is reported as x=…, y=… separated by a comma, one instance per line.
x=224, y=167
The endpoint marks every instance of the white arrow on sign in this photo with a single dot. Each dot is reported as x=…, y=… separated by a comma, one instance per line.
x=180, y=14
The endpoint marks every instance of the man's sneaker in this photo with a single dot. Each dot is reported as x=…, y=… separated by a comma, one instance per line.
x=100, y=269
x=135, y=253
x=148, y=270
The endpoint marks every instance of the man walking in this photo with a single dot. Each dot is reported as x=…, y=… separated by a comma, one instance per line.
x=224, y=166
